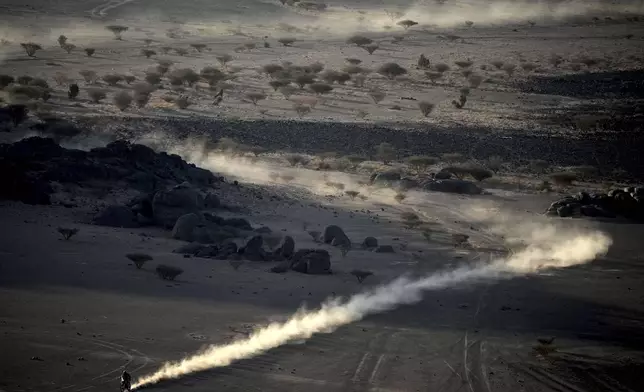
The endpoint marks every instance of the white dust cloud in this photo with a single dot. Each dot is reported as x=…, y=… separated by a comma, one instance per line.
x=549, y=248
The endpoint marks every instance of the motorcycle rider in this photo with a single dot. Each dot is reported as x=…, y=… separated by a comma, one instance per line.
x=126, y=381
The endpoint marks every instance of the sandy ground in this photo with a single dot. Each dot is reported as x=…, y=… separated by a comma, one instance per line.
x=74, y=314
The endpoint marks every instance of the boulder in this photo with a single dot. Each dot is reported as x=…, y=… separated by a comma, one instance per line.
x=453, y=186
x=370, y=242
x=195, y=227
x=170, y=204
x=286, y=248
x=384, y=249
x=335, y=233
x=226, y=250
x=116, y=216
x=311, y=261
x=564, y=211
x=443, y=175
x=211, y=201
x=253, y=250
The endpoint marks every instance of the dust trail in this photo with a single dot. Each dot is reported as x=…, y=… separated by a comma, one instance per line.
x=549, y=249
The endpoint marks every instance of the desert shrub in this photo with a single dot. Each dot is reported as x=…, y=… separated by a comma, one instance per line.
x=38, y=82
x=469, y=23
x=528, y=67
x=89, y=76
x=182, y=101
x=186, y=75
x=316, y=67
x=391, y=70
x=420, y=163
x=271, y=69
x=67, y=232
x=68, y=48
x=287, y=91
x=460, y=104
x=359, y=80
x=479, y=173
x=303, y=80
x=320, y=88
x=460, y=239
x=129, y=78
x=250, y=45
x=426, y=108
x=494, y=163
x=31, y=48
x=224, y=59
x=90, y=51
x=359, y=40
x=181, y=51
x=163, y=66
x=286, y=41
x=6, y=80
x=141, y=99
x=112, y=79
x=353, y=61
x=355, y=69
x=361, y=275
x=167, y=272
x=138, y=259
x=277, y=84
x=62, y=40
x=72, y=93
x=407, y=23
x=148, y=53
x=143, y=88
x=122, y=100
x=19, y=92
x=463, y=63
x=410, y=220
x=152, y=78
x=385, y=152
x=199, y=47
x=297, y=159
x=433, y=76
x=301, y=109
x=212, y=75
x=397, y=38
x=370, y=48
x=96, y=95
x=117, y=30
x=467, y=73
x=377, y=95
x=166, y=49
x=509, y=68
x=563, y=178
x=17, y=113
x=441, y=67
x=498, y=64
x=255, y=96
x=61, y=79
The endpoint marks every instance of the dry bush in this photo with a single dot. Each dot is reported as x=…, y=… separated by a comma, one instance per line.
x=181, y=51
x=433, y=76
x=182, y=101
x=39, y=82
x=460, y=239
x=391, y=70
x=377, y=95
x=370, y=48
x=297, y=159
x=61, y=79
x=287, y=91
x=410, y=219
x=277, y=84
x=255, y=96
x=24, y=80
x=6, y=80
x=68, y=233
x=68, y=48
x=62, y=40
x=462, y=100
x=359, y=40
x=122, y=100
x=163, y=66
x=320, y=88
x=185, y=75
x=426, y=108
x=397, y=38
x=143, y=88
x=563, y=178
x=528, y=67
x=90, y=51
x=287, y=41
x=352, y=194
x=301, y=109
x=224, y=59
x=478, y=173
x=250, y=45
x=167, y=272
x=509, y=68
x=359, y=80
x=463, y=63
x=117, y=30
x=129, y=78
x=96, y=95
x=112, y=79
x=475, y=80
x=199, y=47
x=441, y=67
x=315, y=67
x=361, y=275
x=498, y=64
x=31, y=48
x=89, y=76
x=212, y=75
x=148, y=53
x=407, y=23
x=303, y=80
x=138, y=259
x=385, y=152
x=353, y=61
x=272, y=69
x=420, y=163
x=141, y=99
x=20, y=93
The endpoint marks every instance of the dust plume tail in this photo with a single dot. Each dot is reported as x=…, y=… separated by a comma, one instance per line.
x=554, y=250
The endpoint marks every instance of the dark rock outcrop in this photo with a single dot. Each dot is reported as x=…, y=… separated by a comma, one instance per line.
x=370, y=243
x=335, y=235
x=453, y=186
x=311, y=261
x=627, y=203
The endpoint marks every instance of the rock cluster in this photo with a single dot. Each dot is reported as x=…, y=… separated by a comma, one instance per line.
x=627, y=203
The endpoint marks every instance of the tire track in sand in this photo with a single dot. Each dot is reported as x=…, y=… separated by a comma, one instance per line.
x=100, y=11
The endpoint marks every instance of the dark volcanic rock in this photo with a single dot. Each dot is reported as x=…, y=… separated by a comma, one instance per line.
x=116, y=216
x=370, y=242
x=197, y=227
x=453, y=186
x=311, y=261
x=335, y=233
x=617, y=202
x=385, y=249
x=170, y=204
